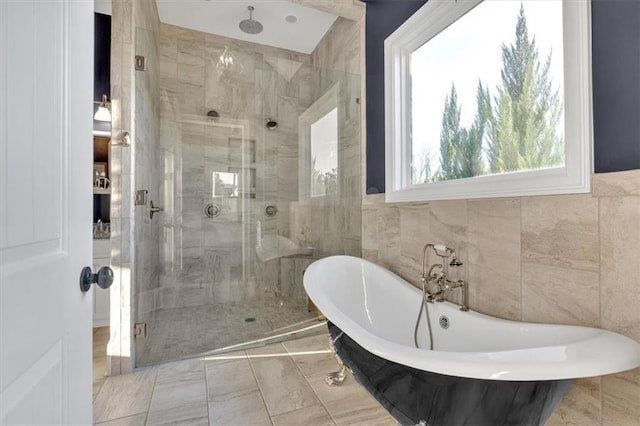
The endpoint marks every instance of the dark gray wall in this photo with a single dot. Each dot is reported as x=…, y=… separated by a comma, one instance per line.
x=101, y=56
x=383, y=17
x=101, y=64
x=616, y=82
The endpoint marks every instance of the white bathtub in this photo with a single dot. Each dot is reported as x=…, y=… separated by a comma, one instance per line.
x=378, y=310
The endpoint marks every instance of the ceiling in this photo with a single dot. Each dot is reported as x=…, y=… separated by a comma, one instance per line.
x=222, y=17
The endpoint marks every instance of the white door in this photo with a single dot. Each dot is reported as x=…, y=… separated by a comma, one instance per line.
x=46, y=73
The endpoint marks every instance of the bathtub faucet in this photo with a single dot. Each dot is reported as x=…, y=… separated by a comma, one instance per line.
x=440, y=280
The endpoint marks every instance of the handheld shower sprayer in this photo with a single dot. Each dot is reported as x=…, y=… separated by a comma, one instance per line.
x=454, y=259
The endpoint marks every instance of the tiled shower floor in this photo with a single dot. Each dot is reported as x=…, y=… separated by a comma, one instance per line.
x=179, y=333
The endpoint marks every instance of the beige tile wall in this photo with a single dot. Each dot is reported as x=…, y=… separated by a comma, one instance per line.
x=206, y=256
x=334, y=223
x=567, y=259
x=147, y=161
x=129, y=164
x=120, y=343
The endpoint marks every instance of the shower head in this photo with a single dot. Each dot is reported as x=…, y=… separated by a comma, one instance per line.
x=272, y=124
x=250, y=26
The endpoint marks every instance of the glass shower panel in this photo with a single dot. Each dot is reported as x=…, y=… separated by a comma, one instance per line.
x=236, y=235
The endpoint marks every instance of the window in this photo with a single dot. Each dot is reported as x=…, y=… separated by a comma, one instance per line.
x=318, y=132
x=324, y=155
x=489, y=99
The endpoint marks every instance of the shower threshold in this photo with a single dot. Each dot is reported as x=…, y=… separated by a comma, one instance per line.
x=183, y=333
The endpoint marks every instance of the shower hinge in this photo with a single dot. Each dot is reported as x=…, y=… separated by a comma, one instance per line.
x=140, y=329
x=141, y=197
x=141, y=63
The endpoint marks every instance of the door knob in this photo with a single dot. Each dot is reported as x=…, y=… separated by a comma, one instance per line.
x=104, y=278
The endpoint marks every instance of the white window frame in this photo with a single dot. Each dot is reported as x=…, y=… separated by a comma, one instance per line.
x=574, y=177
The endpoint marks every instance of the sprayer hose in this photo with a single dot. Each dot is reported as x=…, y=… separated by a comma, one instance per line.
x=423, y=307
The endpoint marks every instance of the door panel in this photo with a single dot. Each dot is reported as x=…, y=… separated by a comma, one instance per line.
x=46, y=57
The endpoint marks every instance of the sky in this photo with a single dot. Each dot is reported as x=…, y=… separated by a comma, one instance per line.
x=470, y=49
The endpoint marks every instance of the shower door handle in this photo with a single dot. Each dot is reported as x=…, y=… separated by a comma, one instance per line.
x=154, y=209
x=104, y=278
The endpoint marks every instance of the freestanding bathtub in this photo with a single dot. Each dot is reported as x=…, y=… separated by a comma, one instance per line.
x=482, y=370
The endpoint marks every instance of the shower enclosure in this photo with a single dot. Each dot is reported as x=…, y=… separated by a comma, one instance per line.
x=257, y=170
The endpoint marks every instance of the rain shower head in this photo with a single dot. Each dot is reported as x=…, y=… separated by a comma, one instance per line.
x=250, y=26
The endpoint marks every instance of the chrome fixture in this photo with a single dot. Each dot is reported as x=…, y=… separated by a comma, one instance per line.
x=125, y=140
x=140, y=63
x=250, y=26
x=212, y=210
x=271, y=124
x=336, y=378
x=436, y=285
x=104, y=110
x=154, y=209
x=440, y=281
x=228, y=63
x=444, y=322
x=270, y=210
x=141, y=198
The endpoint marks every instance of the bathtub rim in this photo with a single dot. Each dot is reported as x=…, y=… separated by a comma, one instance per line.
x=587, y=357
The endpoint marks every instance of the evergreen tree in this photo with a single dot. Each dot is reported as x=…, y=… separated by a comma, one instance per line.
x=461, y=148
x=526, y=111
x=470, y=154
x=450, y=137
x=421, y=167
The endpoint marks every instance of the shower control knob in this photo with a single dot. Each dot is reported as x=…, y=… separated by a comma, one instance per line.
x=104, y=278
x=212, y=210
x=270, y=210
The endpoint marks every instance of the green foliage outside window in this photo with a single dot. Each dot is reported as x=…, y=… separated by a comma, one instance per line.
x=513, y=131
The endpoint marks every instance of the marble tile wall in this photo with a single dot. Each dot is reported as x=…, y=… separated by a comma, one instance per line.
x=333, y=224
x=567, y=259
x=146, y=149
x=212, y=260
x=127, y=16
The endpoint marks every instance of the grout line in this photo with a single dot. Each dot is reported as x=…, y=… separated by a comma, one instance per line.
x=93, y=363
x=93, y=400
x=153, y=389
x=312, y=389
x=521, y=261
x=600, y=381
x=255, y=377
x=206, y=386
x=119, y=418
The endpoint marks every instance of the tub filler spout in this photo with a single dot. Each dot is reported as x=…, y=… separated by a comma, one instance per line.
x=435, y=286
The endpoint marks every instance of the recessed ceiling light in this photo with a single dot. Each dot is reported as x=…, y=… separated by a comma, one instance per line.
x=291, y=19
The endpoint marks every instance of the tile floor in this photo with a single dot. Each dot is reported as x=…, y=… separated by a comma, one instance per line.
x=278, y=384
x=167, y=340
